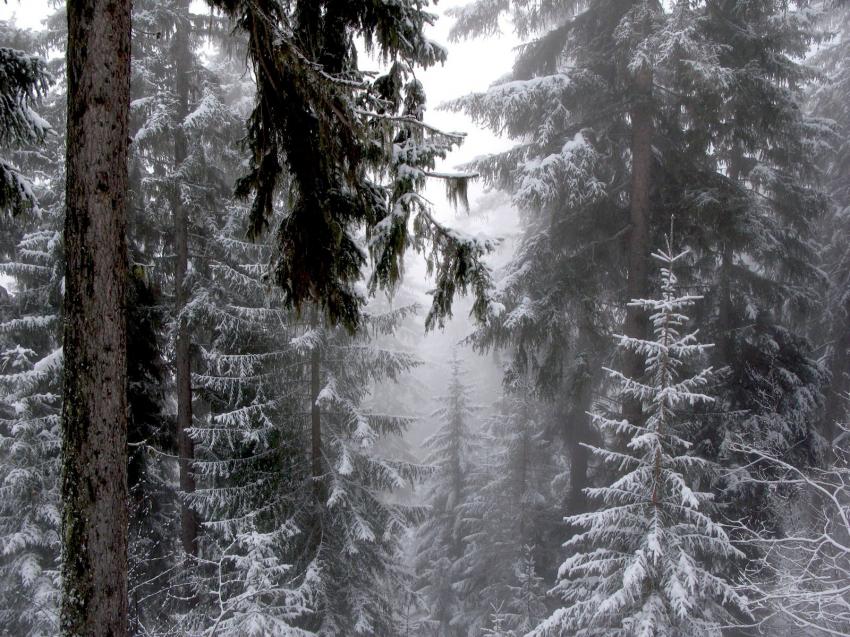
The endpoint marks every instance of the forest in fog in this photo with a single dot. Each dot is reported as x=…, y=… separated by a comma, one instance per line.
x=398, y=318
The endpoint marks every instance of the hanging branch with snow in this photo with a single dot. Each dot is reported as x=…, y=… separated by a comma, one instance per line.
x=353, y=150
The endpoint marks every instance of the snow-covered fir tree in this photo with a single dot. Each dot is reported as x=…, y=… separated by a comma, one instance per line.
x=30, y=407
x=649, y=561
x=302, y=544
x=181, y=181
x=511, y=510
x=766, y=206
x=525, y=607
x=250, y=462
x=24, y=79
x=31, y=360
x=358, y=527
x=453, y=451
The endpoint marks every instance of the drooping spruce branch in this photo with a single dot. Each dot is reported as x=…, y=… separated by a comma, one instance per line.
x=351, y=150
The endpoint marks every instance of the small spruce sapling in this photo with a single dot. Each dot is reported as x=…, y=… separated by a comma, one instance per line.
x=647, y=562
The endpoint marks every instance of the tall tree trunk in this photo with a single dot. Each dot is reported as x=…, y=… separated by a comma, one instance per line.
x=579, y=432
x=316, y=417
x=94, y=412
x=725, y=317
x=640, y=212
x=839, y=367
x=185, y=445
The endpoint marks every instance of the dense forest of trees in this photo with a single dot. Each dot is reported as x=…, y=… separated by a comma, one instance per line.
x=220, y=414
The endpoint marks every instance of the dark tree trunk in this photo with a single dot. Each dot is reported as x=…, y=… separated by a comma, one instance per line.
x=94, y=413
x=183, y=362
x=579, y=431
x=640, y=212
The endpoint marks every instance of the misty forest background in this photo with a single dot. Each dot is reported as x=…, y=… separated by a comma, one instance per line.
x=592, y=382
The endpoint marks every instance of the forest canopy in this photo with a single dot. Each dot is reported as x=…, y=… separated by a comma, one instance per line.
x=383, y=318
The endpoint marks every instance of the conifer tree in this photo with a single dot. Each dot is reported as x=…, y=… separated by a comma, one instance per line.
x=24, y=79
x=649, y=560
x=582, y=104
x=526, y=607
x=724, y=96
x=511, y=510
x=250, y=463
x=452, y=452
x=181, y=131
x=357, y=527
x=31, y=378
x=325, y=545
x=30, y=400
x=754, y=236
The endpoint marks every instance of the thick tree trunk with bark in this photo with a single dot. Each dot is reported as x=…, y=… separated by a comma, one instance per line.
x=640, y=214
x=94, y=413
x=183, y=362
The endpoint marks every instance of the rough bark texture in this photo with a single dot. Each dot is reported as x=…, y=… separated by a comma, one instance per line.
x=94, y=415
x=183, y=362
x=640, y=211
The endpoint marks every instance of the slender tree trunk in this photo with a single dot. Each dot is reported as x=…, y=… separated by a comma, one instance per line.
x=579, y=460
x=640, y=213
x=185, y=445
x=725, y=306
x=836, y=395
x=579, y=430
x=726, y=319
x=316, y=418
x=94, y=412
